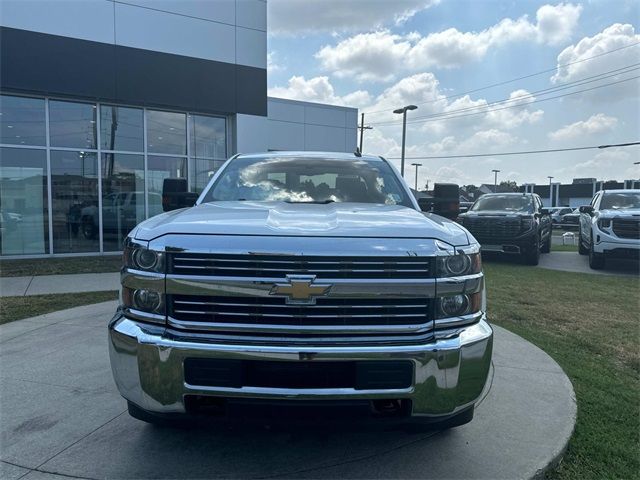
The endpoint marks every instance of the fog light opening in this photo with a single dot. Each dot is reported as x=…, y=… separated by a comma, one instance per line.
x=146, y=300
x=391, y=407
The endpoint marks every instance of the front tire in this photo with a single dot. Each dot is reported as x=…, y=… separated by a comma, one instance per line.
x=582, y=250
x=596, y=260
x=533, y=257
x=546, y=246
x=89, y=230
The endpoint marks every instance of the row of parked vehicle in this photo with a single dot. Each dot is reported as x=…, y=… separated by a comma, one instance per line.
x=518, y=224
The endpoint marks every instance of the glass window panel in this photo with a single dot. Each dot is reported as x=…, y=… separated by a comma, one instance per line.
x=208, y=137
x=166, y=132
x=22, y=120
x=74, y=188
x=159, y=168
x=121, y=128
x=72, y=124
x=23, y=202
x=122, y=197
x=202, y=169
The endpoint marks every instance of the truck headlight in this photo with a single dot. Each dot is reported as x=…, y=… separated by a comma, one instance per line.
x=138, y=257
x=527, y=223
x=459, y=264
x=459, y=305
x=604, y=223
x=143, y=299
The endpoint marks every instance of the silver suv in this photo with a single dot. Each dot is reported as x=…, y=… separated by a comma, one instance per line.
x=302, y=280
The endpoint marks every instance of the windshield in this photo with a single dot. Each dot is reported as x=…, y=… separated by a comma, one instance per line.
x=308, y=180
x=620, y=201
x=509, y=203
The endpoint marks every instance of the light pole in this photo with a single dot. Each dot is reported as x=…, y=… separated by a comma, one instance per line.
x=495, y=180
x=416, y=165
x=550, y=190
x=403, y=111
x=362, y=128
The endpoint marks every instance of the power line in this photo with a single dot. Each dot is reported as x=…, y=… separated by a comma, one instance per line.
x=520, y=105
x=576, y=83
x=526, y=152
x=542, y=72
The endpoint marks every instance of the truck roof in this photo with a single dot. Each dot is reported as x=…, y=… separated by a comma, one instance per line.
x=317, y=154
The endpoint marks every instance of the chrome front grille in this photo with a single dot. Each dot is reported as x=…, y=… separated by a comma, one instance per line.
x=326, y=315
x=278, y=266
x=490, y=228
x=627, y=227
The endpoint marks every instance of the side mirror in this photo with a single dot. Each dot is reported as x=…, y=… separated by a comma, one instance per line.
x=175, y=194
x=588, y=209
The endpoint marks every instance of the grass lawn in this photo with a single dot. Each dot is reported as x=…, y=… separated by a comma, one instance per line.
x=16, y=308
x=564, y=248
x=55, y=266
x=590, y=325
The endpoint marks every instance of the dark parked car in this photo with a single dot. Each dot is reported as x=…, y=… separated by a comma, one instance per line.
x=571, y=220
x=511, y=223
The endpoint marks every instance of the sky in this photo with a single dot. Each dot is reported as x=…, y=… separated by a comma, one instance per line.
x=580, y=60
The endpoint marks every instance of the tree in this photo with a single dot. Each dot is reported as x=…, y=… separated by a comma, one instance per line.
x=510, y=184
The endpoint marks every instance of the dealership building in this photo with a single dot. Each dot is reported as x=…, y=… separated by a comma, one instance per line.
x=102, y=100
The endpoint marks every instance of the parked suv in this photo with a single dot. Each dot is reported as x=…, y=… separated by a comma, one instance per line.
x=610, y=226
x=510, y=223
x=297, y=280
x=558, y=213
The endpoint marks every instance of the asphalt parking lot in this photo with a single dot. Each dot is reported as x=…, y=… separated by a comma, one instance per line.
x=62, y=417
x=572, y=262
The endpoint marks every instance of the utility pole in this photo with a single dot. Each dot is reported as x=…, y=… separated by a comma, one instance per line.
x=362, y=128
x=416, y=165
x=550, y=191
x=495, y=180
x=403, y=111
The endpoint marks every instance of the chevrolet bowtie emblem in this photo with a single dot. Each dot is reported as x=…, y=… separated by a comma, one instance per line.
x=300, y=289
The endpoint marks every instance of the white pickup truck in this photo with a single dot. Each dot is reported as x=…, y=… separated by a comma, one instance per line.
x=610, y=227
x=300, y=282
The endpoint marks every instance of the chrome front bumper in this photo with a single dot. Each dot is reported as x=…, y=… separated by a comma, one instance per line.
x=449, y=375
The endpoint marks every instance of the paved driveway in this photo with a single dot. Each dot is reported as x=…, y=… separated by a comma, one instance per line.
x=62, y=415
x=572, y=262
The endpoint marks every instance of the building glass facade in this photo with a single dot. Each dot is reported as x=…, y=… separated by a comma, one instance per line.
x=76, y=177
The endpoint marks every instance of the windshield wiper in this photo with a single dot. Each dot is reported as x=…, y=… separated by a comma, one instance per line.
x=317, y=202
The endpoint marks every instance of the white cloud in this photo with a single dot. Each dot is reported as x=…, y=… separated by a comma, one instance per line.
x=556, y=23
x=380, y=55
x=301, y=17
x=602, y=164
x=595, y=124
x=318, y=89
x=611, y=38
x=580, y=64
x=272, y=64
x=483, y=140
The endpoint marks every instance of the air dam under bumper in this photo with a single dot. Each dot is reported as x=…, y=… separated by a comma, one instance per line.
x=148, y=367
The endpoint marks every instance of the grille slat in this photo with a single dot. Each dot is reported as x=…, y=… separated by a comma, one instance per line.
x=488, y=228
x=278, y=266
x=627, y=227
x=275, y=311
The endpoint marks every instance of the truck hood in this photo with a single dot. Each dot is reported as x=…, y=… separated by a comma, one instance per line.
x=495, y=213
x=619, y=213
x=288, y=219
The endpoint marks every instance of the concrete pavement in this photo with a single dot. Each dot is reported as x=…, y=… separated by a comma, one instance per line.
x=572, y=262
x=45, y=284
x=62, y=415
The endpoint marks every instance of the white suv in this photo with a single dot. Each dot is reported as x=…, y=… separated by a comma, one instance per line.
x=610, y=226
